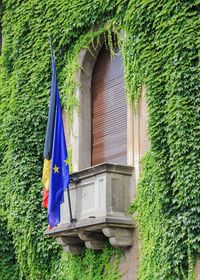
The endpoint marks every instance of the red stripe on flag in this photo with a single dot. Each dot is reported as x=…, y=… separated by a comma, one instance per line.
x=45, y=198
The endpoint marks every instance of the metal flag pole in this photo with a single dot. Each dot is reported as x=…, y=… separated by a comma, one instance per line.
x=72, y=220
x=75, y=181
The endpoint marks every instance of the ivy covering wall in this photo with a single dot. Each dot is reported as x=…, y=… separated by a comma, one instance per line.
x=161, y=50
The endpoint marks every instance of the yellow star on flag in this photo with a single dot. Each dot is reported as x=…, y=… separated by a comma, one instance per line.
x=66, y=161
x=56, y=169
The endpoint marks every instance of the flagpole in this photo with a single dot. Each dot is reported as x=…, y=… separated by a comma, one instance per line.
x=74, y=180
x=72, y=220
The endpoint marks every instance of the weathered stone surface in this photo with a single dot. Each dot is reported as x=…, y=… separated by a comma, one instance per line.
x=99, y=201
x=119, y=237
x=117, y=201
x=72, y=249
x=102, y=191
x=63, y=240
x=91, y=236
x=90, y=225
x=95, y=244
x=114, y=231
x=120, y=241
x=129, y=264
x=197, y=269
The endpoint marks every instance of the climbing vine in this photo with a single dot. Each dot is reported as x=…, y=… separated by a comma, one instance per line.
x=160, y=47
x=166, y=56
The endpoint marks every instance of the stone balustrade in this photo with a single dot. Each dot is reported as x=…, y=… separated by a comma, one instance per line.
x=100, y=197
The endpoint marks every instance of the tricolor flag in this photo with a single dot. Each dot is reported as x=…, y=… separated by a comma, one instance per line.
x=56, y=170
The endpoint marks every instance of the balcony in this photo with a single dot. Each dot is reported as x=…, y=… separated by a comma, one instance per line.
x=99, y=200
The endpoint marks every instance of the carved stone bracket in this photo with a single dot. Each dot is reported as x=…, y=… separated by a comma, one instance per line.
x=71, y=244
x=75, y=241
x=119, y=237
x=93, y=240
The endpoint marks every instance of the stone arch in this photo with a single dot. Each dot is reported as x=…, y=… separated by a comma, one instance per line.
x=137, y=140
x=81, y=130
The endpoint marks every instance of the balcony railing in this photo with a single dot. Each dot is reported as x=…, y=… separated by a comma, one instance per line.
x=100, y=197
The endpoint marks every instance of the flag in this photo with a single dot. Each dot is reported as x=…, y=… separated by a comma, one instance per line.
x=49, y=135
x=56, y=169
x=59, y=178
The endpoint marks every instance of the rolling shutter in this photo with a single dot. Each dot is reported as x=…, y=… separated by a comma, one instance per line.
x=109, y=110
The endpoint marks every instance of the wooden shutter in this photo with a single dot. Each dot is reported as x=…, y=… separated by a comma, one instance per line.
x=109, y=110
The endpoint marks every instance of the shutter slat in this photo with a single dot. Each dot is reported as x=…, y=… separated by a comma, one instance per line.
x=109, y=110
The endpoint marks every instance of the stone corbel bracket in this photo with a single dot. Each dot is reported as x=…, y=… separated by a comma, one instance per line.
x=119, y=237
x=95, y=237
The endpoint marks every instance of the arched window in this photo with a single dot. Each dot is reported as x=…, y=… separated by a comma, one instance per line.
x=108, y=110
x=105, y=126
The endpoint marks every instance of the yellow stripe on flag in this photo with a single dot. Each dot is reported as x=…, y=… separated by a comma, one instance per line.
x=46, y=173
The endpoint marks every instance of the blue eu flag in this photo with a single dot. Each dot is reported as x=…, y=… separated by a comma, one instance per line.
x=59, y=177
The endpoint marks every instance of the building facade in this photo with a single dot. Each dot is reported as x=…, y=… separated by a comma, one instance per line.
x=128, y=73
